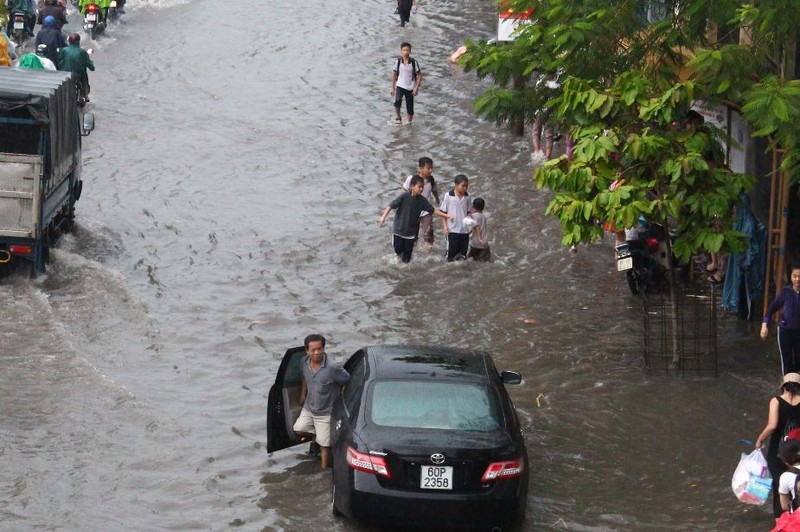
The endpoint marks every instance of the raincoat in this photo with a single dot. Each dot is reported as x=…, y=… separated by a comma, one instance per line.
x=75, y=59
x=21, y=5
x=746, y=269
x=105, y=4
x=5, y=59
x=31, y=61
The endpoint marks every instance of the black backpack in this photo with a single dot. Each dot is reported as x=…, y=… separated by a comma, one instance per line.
x=795, y=500
x=414, y=67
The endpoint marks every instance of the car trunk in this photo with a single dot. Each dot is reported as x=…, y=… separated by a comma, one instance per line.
x=410, y=450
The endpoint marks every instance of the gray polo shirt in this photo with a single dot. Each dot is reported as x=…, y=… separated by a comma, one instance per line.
x=323, y=385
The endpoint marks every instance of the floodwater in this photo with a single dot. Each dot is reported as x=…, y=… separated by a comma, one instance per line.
x=241, y=160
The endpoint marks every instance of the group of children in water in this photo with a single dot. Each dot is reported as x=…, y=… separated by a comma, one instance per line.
x=463, y=220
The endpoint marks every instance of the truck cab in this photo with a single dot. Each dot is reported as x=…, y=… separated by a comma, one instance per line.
x=40, y=163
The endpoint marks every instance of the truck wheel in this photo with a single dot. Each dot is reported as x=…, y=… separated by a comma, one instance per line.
x=69, y=221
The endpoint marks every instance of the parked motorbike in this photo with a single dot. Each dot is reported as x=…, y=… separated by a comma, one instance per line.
x=94, y=21
x=644, y=259
x=19, y=33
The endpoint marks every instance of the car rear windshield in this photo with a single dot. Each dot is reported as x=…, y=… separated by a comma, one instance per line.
x=433, y=405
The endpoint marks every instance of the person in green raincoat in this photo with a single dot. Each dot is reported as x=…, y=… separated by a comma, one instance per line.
x=31, y=61
x=75, y=59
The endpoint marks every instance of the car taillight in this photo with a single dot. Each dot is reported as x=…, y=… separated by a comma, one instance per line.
x=501, y=470
x=16, y=249
x=369, y=464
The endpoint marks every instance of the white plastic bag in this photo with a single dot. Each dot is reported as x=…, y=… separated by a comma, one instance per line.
x=751, y=481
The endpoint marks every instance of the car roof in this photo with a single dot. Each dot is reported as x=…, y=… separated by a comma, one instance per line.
x=427, y=362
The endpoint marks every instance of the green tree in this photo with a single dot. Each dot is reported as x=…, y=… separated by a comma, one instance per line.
x=625, y=93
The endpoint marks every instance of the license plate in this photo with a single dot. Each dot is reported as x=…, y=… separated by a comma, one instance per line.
x=624, y=264
x=91, y=17
x=19, y=25
x=436, y=478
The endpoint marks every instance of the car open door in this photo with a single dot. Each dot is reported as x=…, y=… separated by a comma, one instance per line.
x=283, y=402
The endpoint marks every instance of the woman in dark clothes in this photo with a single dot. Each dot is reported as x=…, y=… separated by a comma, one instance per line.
x=784, y=415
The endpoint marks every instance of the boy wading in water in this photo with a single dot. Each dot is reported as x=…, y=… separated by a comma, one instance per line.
x=406, y=79
x=409, y=205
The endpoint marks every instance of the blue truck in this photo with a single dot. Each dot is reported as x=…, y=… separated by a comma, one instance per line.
x=41, y=129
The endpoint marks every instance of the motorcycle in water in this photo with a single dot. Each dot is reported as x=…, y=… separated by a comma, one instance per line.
x=115, y=9
x=19, y=33
x=79, y=94
x=644, y=258
x=94, y=21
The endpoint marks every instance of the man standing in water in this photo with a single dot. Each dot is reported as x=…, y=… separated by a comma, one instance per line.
x=322, y=378
x=406, y=79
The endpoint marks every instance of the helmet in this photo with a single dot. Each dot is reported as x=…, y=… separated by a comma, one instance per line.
x=41, y=49
x=49, y=20
x=49, y=2
x=74, y=37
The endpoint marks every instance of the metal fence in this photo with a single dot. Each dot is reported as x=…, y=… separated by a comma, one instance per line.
x=681, y=338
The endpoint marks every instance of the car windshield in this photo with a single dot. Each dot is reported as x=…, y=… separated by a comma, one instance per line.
x=433, y=405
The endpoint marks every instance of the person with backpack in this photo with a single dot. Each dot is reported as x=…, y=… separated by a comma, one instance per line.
x=406, y=80
x=784, y=416
x=787, y=486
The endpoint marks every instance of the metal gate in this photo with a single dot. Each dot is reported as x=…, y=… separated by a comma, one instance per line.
x=681, y=338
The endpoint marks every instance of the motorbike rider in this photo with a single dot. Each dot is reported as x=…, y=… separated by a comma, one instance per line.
x=10, y=48
x=52, y=37
x=75, y=59
x=41, y=53
x=52, y=9
x=103, y=4
x=21, y=6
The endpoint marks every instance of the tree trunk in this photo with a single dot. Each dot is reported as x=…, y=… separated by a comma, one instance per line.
x=517, y=122
x=677, y=341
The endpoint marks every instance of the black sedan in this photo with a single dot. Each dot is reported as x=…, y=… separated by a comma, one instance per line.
x=422, y=437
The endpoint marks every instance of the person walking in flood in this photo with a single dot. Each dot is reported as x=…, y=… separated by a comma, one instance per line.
x=322, y=379
x=479, y=235
x=784, y=416
x=430, y=193
x=456, y=204
x=788, y=301
x=404, y=9
x=409, y=206
x=406, y=80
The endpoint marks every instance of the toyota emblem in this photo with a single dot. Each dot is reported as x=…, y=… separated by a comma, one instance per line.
x=437, y=458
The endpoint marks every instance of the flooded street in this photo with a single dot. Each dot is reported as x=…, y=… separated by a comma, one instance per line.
x=232, y=189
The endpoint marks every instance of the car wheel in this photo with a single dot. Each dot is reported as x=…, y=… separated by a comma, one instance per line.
x=335, y=511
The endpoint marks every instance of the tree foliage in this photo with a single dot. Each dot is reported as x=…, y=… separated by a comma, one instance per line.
x=630, y=72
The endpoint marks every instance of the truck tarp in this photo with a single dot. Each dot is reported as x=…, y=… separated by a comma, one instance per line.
x=49, y=98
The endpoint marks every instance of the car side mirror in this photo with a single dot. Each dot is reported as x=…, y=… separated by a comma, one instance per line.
x=510, y=377
x=88, y=124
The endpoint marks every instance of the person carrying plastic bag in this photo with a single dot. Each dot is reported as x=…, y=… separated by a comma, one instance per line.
x=784, y=415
